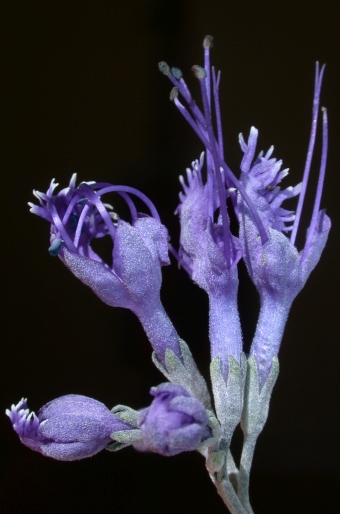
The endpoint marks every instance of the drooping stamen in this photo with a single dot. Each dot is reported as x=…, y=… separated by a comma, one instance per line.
x=104, y=187
x=94, y=198
x=321, y=180
x=316, y=103
x=131, y=205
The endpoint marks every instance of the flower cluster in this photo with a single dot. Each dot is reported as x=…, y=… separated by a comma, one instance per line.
x=182, y=416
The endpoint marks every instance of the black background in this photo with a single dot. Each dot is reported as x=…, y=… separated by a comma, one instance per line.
x=83, y=94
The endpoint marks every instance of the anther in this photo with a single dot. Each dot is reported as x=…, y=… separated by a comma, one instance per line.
x=173, y=93
x=55, y=247
x=177, y=73
x=208, y=42
x=164, y=68
x=199, y=72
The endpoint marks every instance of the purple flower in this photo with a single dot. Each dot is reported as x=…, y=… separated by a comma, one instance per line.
x=208, y=250
x=69, y=428
x=174, y=423
x=277, y=268
x=78, y=216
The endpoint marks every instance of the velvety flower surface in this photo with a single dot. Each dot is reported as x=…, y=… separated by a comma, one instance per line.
x=77, y=216
x=277, y=267
x=68, y=428
x=174, y=423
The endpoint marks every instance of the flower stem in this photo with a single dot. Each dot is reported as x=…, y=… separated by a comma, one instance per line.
x=244, y=472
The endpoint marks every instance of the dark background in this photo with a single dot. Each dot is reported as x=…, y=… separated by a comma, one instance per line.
x=83, y=94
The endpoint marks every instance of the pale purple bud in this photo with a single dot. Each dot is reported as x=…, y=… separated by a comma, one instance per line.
x=68, y=428
x=174, y=423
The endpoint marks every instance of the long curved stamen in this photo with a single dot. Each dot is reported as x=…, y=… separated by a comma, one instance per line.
x=104, y=187
x=94, y=197
x=131, y=205
x=321, y=180
x=60, y=227
x=207, y=44
x=316, y=103
x=70, y=207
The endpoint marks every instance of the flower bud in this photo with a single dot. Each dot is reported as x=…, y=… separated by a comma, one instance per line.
x=68, y=428
x=174, y=423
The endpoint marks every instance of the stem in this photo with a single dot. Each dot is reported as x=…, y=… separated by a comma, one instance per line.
x=229, y=496
x=244, y=472
x=225, y=487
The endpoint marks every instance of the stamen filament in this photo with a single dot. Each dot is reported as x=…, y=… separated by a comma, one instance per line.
x=94, y=197
x=80, y=224
x=131, y=205
x=60, y=227
x=320, y=181
x=220, y=185
x=316, y=103
x=108, y=188
x=216, y=83
x=70, y=207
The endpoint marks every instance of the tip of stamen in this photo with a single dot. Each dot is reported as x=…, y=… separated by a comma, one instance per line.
x=208, y=42
x=199, y=72
x=164, y=68
x=55, y=247
x=173, y=93
x=177, y=73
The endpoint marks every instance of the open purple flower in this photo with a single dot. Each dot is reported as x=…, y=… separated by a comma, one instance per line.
x=68, y=428
x=208, y=251
x=277, y=268
x=78, y=216
x=174, y=423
